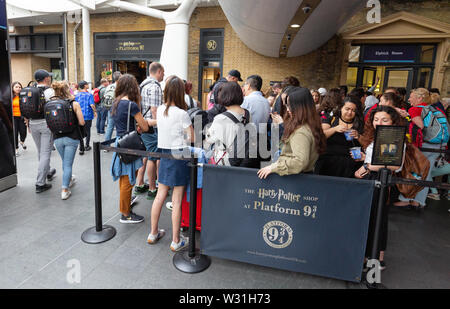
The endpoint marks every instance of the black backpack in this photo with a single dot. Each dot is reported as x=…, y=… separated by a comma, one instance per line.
x=60, y=116
x=32, y=102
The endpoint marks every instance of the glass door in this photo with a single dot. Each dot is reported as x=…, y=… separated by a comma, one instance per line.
x=369, y=76
x=398, y=78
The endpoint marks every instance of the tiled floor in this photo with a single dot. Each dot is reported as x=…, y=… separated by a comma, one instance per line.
x=40, y=239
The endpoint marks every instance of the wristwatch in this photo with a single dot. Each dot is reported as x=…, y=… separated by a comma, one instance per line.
x=366, y=166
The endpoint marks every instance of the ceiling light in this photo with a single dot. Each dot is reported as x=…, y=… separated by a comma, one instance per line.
x=295, y=26
x=41, y=22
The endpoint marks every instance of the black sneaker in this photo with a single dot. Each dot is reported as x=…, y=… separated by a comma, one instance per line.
x=151, y=194
x=131, y=219
x=141, y=189
x=87, y=148
x=40, y=189
x=81, y=153
x=51, y=174
x=382, y=265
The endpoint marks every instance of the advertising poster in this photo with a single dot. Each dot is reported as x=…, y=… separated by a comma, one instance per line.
x=303, y=223
x=389, y=145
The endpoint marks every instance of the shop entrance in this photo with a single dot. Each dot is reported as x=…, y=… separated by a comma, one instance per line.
x=209, y=77
x=402, y=66
x=138, y=69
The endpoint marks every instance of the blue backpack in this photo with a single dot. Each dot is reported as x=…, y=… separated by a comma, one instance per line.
x=435, y=123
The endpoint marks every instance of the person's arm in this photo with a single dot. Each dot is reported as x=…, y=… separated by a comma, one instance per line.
x=301, y=146
x=79, y=113
x=92, y=104
x=141, y=122
x=330, y=131
x=418, y=122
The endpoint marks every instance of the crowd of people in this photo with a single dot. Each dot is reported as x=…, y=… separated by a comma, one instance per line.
x=323, y=132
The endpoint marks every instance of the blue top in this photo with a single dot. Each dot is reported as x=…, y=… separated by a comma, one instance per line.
x=121, y=114
x=258, y=106
x=86, y=100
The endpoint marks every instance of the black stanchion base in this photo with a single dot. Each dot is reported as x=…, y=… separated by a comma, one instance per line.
x=91, y=236
x=197, y=264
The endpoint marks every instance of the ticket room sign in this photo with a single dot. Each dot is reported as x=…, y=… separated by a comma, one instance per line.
x=303, y=223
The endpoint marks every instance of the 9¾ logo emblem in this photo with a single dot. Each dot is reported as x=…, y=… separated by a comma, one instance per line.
x=277, y=234
x=211, y=45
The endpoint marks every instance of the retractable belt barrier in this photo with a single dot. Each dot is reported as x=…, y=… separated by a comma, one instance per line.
x=446, y=151
x=192, y=261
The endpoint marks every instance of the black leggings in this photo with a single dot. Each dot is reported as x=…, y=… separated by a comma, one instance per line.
x=19, y=128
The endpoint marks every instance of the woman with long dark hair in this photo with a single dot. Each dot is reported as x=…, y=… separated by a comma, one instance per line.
x=329, y=103
x=303, y=137
x=381, y=116
x=125, y=111
x=20, y=128
x=342, y=131
x=175, y=134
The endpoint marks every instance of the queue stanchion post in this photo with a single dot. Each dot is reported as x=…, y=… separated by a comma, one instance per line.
x=99, y=233
x=191, y=261
x=383, y=177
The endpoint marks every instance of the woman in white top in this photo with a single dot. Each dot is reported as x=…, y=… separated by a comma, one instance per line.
x=175, y=134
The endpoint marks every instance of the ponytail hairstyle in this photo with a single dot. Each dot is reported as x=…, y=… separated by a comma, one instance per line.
x=62, y=90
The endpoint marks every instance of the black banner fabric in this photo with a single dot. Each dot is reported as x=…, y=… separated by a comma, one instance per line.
x=303, y=223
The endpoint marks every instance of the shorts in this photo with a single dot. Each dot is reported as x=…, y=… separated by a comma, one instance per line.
x=151, y=143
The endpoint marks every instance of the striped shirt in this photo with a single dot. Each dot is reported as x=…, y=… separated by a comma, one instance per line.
x=85, y=99
x=152, y=96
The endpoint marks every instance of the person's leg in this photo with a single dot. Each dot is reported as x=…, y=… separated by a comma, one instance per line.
x=45, y=153
x=88, y=131
x=22, y=131
x=440, y=171
x=16, y=132
x=99, y=119
x=71, y=146
x=60, y=147
x=110, y=127
x=103, y=121
x=421, y=197
x=157, y=206
x=177, y=197
x=141, y=174
x=151, y=174
x=125, y=195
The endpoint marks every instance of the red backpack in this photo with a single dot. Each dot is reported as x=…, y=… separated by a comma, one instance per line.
x=97, y=96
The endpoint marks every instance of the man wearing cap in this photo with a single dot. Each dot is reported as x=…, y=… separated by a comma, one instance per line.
x=42, y=136
x=86, y=101
x=233, y=76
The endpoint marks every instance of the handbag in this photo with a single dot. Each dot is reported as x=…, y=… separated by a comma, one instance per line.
x=131, y=140
x=416, y=167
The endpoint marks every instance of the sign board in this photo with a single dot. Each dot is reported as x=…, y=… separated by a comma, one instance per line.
x=390, y=53
x=303, y=223
x=389, y=146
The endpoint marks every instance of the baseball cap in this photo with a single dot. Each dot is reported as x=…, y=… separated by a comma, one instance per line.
x=236, y=74
x=82, y=84
x=40, y=74
x=322, y=91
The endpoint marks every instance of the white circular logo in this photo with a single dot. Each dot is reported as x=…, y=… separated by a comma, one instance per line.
x=211, y=45
x=277, y=234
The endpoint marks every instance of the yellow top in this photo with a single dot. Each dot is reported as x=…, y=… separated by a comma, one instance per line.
x=16, y=107
x=298, y=155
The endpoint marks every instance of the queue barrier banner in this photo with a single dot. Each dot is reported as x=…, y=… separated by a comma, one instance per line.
x=303, y=223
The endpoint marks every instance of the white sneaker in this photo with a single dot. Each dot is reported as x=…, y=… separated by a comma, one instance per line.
x=434, y=196
x=153, y=239
x=184, y=242
x=72, y=181
x=169, y=205
x=65, y=194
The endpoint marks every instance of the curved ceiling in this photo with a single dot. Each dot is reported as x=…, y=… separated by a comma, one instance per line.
x=262, y=25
